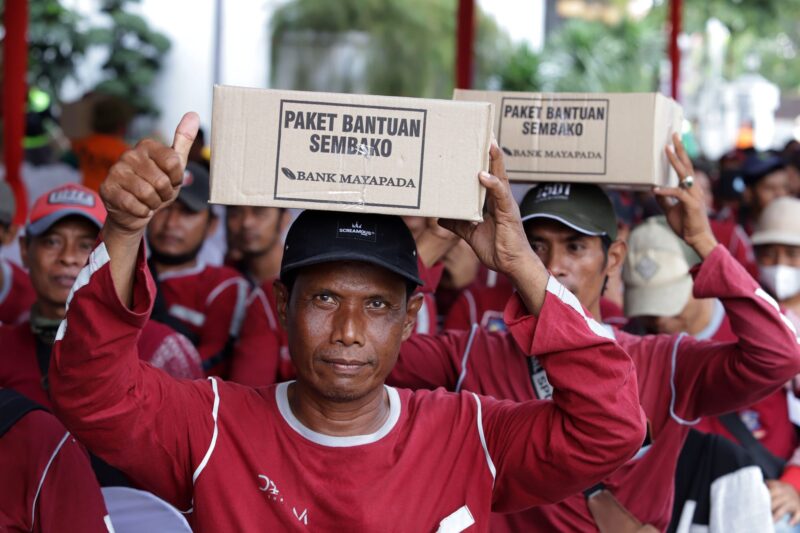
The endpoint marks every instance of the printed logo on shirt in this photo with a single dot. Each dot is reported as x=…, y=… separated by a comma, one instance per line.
x=493, y=321
x=357, y=231
x=71, y=197
x=270, y=489
x=188, y=178
x=541, y=385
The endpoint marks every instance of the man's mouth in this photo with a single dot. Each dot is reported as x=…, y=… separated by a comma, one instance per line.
x=342, y=365
x=64, y=281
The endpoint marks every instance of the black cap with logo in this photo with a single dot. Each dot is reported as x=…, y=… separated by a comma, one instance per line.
x=195, y=189
x=325, y=236
x=584, y=207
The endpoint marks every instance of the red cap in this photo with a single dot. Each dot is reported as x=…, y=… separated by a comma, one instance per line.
x=64, y=201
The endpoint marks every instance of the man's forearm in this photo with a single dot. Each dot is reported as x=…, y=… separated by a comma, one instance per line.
x=122, y=248
x=530, y=280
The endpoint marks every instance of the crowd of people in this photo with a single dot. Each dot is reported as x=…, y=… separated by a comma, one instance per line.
x=584, y=359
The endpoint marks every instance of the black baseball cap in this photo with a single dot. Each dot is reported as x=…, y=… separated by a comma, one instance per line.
x=761, y=164
x=195, y=189
x=326, y=236
x=584, y=207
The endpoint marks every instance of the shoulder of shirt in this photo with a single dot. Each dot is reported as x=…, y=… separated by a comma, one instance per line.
x=243, y=396
x=41, y=432
x=437, y=401
x=14, y=331
x=221, y=272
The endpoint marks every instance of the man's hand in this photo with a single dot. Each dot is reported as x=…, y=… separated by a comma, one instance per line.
x=687, y=216
x=785, y=500
x=144, y=180
x=499, y=241
x=611, y=517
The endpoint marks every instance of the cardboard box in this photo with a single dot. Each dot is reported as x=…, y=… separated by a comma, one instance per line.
x=616, y=139
x=345, y=152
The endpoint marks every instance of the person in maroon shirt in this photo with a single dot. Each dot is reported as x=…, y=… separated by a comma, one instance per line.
x=766, y=179
x=661, y=300
x=257, y=233
x=337, y=448
x=203, y=302
x=260, y=355
x=62, y=229
x=572, y=228
x=46, y=481
x=16, y=292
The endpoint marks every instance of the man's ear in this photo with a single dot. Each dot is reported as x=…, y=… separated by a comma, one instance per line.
x=281, y=302
x=412, y=308
x=616, y=257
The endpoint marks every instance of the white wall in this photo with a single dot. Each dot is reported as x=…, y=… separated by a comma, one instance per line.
x=187, y=75
x=522, y=19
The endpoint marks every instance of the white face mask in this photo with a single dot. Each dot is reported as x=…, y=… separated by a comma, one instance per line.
x=781, y=280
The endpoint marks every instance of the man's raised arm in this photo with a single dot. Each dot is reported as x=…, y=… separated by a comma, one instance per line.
x=136, y=418
x=543, y=451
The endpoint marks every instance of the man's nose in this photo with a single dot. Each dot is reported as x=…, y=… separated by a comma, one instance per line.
x=348, y=325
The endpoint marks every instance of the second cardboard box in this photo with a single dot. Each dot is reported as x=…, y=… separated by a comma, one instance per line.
x=614, y=139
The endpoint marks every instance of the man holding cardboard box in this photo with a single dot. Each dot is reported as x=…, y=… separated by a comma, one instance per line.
x=572, y=228
x=337, y=448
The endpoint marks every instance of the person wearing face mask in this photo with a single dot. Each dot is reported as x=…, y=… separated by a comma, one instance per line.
x=659, y=297
x=777, y=242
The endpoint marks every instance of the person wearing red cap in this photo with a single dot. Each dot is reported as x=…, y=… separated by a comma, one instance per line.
x=204, y=302
x=46, y=480
x=16, y=292
x=61, y=232
x=337, y=448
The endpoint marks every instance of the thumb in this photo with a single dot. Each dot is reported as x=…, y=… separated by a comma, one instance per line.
x=185, y=134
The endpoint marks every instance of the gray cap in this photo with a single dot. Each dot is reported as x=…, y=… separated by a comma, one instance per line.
x=195, y=189
x=584, y=207
x=8, y=205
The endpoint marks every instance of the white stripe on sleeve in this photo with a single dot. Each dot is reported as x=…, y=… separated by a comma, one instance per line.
x=673, y=393
x=44, y=475
x=211, y=446
x=558, y=290
x=479, y=418
x=465, y=357
x=97, y=259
